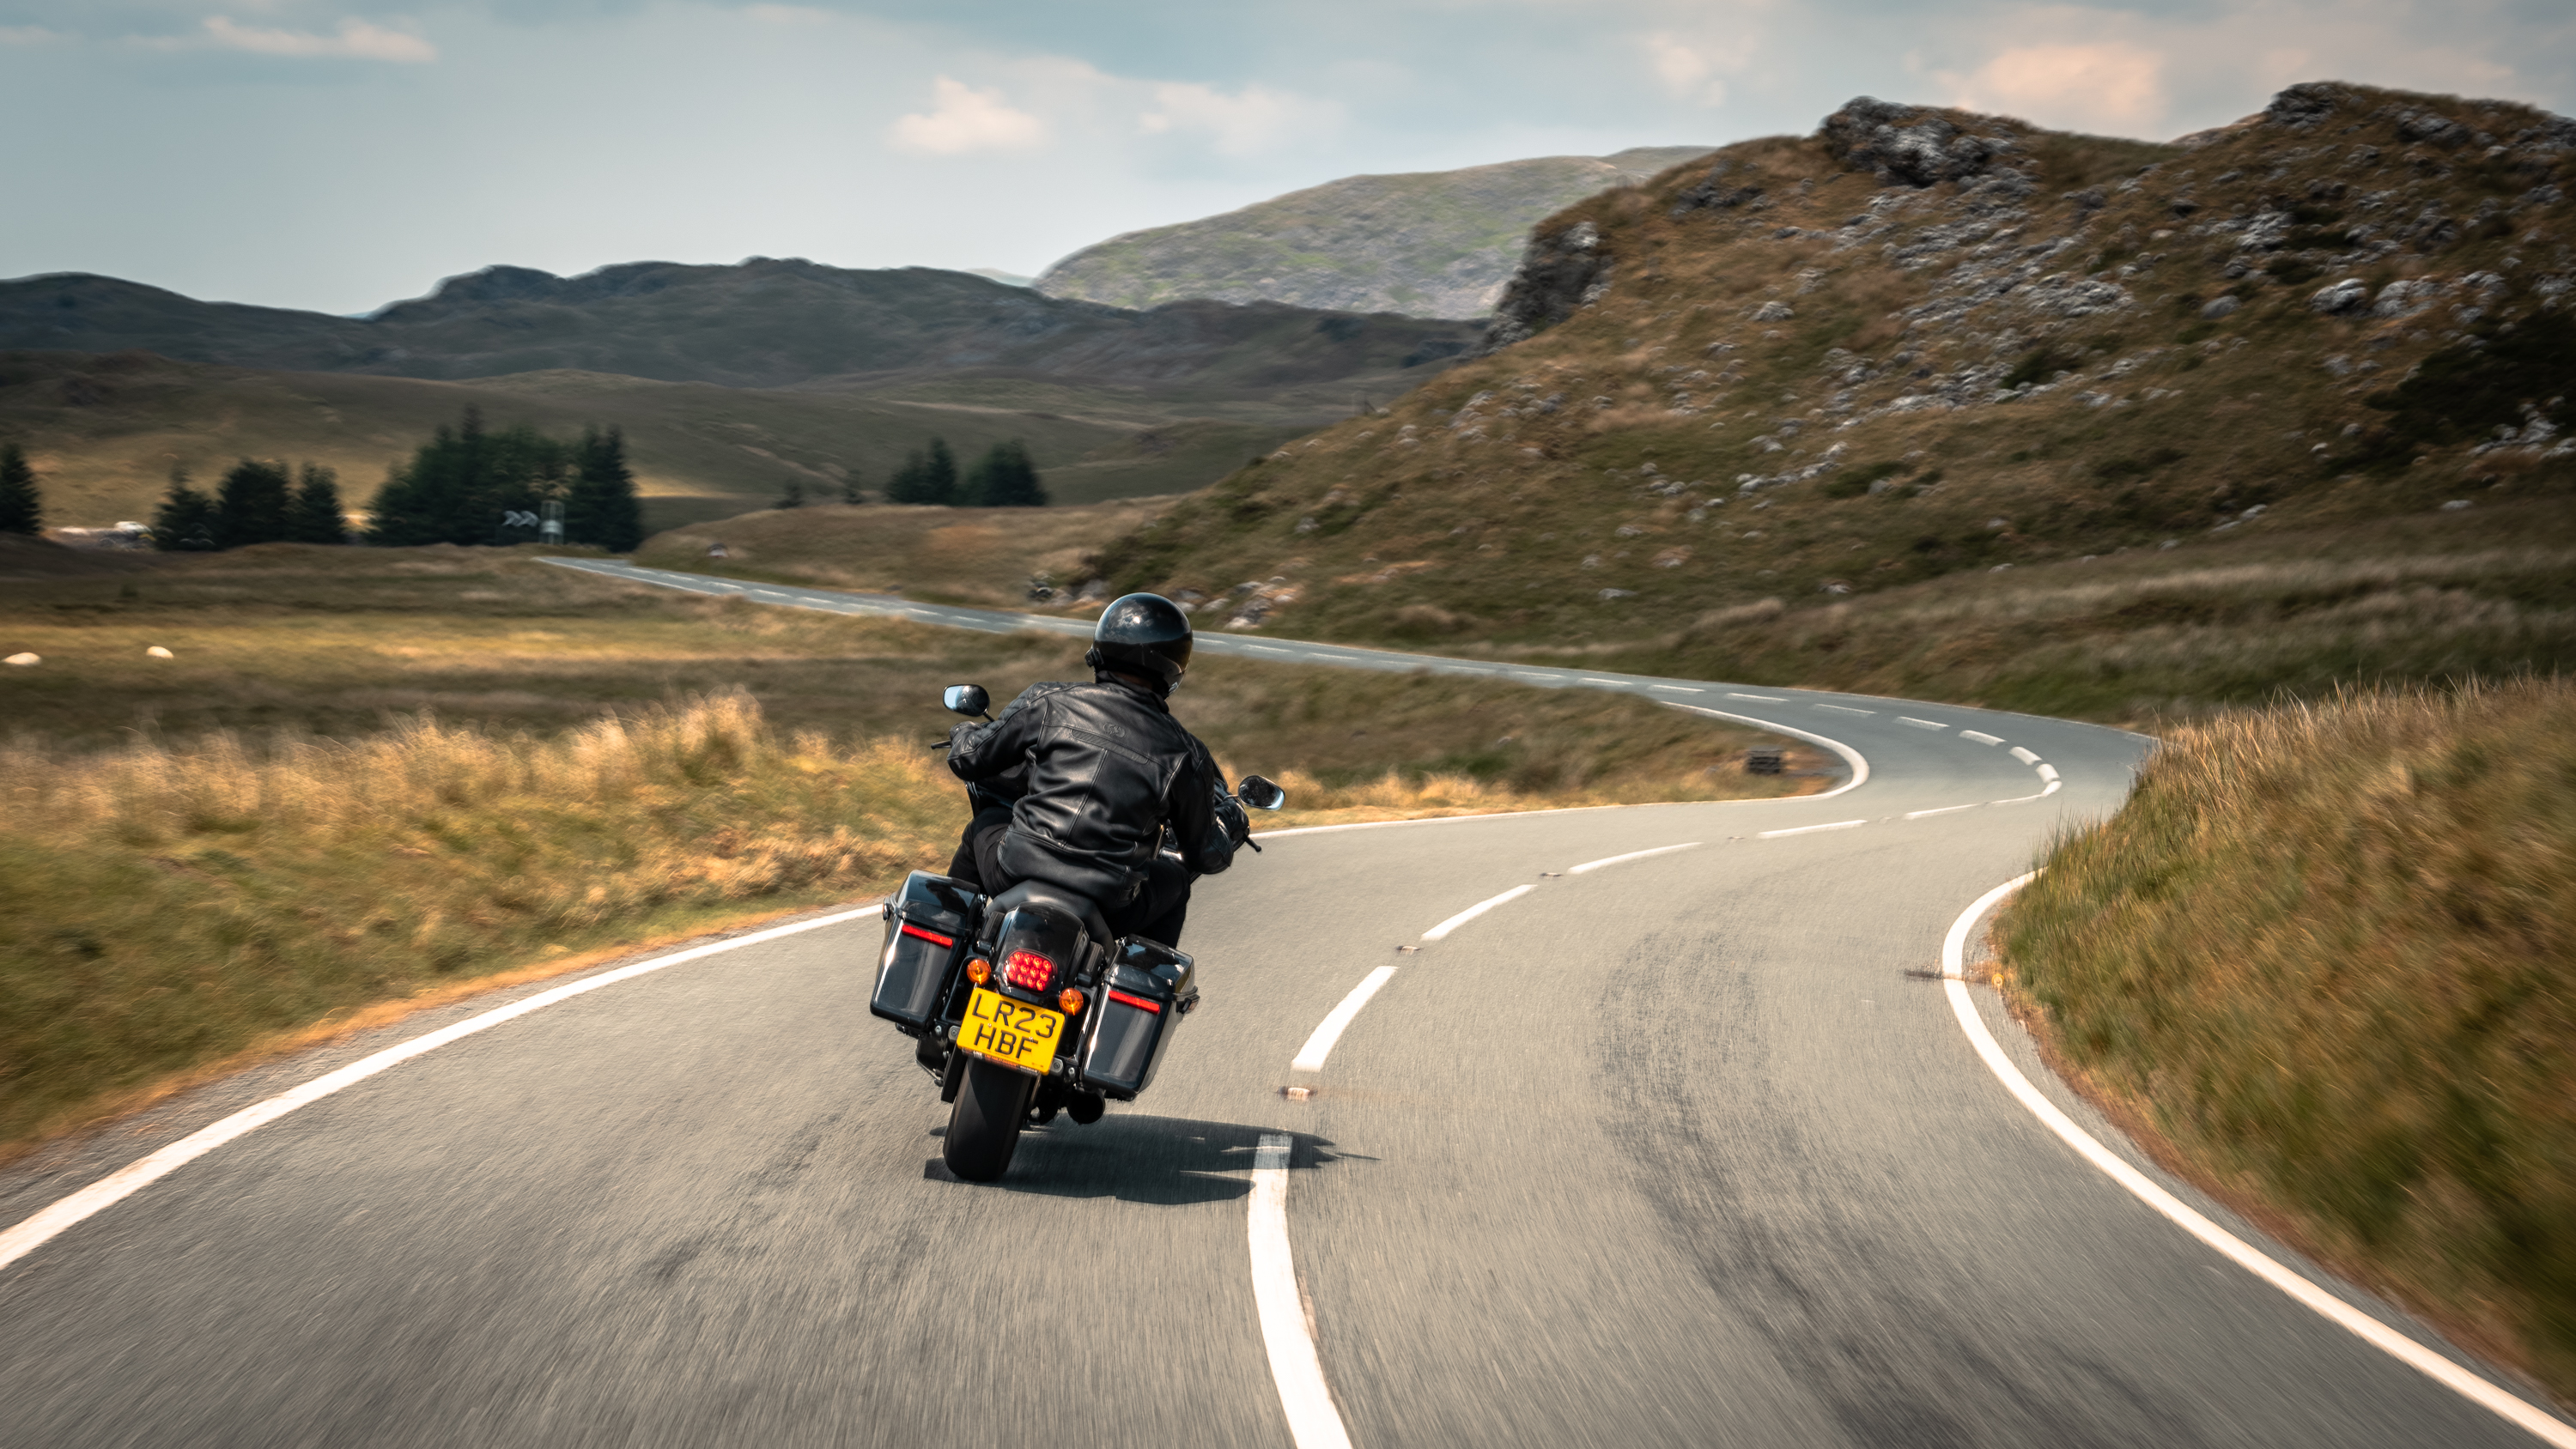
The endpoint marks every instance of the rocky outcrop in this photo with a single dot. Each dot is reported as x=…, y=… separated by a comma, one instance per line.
x=1913, y=146
x=1561, y=271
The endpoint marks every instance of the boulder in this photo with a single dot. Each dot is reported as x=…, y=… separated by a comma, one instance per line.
x=2221, y=307
x=2342, y=298
x=2306, y=105
x=1559, y=272
x=1901, y=144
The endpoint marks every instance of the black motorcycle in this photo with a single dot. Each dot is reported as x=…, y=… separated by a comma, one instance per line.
x=1022, y=1004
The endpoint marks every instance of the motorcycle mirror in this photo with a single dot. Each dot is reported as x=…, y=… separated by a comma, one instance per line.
x=966, y=699
x=1260, y=794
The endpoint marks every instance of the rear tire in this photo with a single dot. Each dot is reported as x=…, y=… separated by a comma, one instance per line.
x=984, y=1127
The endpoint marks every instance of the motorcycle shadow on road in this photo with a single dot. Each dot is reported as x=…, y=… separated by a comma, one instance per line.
x=1156, y=1161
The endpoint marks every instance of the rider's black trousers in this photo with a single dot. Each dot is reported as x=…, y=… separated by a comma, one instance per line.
x=1157, y=912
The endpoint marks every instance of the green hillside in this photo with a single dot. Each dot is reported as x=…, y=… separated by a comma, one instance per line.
x=1779, y=397
x=1427, y=244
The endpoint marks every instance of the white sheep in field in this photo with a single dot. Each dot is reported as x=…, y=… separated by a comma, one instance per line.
x=23, y=659
x=157, y=652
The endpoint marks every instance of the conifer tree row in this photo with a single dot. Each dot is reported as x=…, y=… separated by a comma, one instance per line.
x=1004, y=477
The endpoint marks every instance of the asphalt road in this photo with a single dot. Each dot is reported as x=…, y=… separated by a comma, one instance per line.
x=1672, y=1151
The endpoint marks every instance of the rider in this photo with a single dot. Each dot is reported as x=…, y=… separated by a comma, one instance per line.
x=1081, y=785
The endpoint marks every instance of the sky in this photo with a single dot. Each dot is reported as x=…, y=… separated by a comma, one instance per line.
x=331, y=155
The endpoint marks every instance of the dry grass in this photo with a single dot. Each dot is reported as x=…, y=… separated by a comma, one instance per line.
x=173, y=904
x=2329, y=951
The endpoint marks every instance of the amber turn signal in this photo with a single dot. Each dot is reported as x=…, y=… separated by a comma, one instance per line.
x=1071, y=1001
x=979, y=970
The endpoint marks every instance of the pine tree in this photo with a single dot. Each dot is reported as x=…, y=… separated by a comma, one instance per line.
x=940, y=471
x=185, y=521
x=601, y=507
x=315, y=515
x=927, y=476
x=22, y=508
x=1005, y=478
x=793, y=495
x=850, y=491
x=252, y=503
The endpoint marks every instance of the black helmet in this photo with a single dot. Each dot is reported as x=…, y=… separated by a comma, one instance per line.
x=1144, y=634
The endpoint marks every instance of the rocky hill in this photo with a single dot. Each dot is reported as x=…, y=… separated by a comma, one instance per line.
x=1921, y=344
x=1426, y=244
x=762, y=323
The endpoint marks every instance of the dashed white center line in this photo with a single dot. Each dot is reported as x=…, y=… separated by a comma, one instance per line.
x=1845, y=709
x=1944, y=810
x=1921, y=724
x=1677, y=689
x=1310, y=1058
x=1808, y=829
x=1613, y=683
x=1295, y=1367
x=1765, y=698
x=1980, y=736
x=1268, y=649
x=2048, y=772
x=1440, y=931
x=2025, y=756
x=1591, y=865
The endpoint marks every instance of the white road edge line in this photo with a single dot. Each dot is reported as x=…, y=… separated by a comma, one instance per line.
x=2546, y=1427
x=1590, y=865
x=1980, y=736
x=1313, y=1422
x=1472, y=912
x=1613, y=683
x=1808, y=829
x=1859, y=764
x=1310, y=1057
x=30, y=1233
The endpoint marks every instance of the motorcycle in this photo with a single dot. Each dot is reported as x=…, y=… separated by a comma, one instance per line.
x=1021, y=1004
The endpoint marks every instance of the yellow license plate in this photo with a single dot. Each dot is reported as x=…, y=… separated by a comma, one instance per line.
x=1011, y=1032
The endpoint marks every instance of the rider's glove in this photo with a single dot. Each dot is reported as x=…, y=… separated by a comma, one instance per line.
x=957, y=736
x=1230, y=816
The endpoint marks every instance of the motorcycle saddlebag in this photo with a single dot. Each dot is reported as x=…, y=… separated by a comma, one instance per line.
x=930, y=926
x=1146, y=989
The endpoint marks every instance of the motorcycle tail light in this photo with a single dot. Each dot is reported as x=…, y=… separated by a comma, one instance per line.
x=1028, y=970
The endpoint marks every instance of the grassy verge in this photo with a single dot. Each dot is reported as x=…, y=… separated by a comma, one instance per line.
x=2328, y=954
x=366, y=776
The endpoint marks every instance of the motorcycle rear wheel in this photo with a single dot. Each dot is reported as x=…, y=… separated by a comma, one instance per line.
x=984, y=1126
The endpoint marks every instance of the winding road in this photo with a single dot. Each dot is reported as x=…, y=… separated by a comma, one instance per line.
x=1636, y=1126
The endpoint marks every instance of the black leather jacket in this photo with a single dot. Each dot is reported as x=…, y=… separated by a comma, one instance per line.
x=1095, y=774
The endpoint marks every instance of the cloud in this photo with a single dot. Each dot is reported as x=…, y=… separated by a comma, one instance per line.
x=965, y=119
x=2111, y=86
x=27, y=35
x=1687, y=71
x=790, y=14
x=1252, y=119
x=357, y=40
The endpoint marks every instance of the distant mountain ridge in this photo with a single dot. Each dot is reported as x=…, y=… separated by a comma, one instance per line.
x=761, y=323
x=1426, y=244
